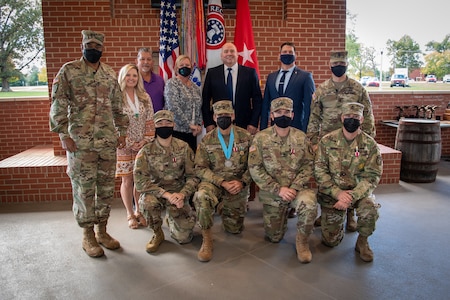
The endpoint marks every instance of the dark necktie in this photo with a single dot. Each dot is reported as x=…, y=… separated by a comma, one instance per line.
x=281, y=84
x=230, y=84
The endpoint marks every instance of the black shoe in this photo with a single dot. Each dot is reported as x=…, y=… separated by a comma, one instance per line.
x=292, y=213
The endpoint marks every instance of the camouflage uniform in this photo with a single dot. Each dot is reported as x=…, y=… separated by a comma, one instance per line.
x=342, y=165
x=327, y=104
x=276, y=162
x=159, y=170
x=210, y=168
x=87, y=107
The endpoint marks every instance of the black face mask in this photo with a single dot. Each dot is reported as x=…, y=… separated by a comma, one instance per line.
x=164, y=132
x=185, y=71
x=338, y=71
x=287, y=59
x=92, y=55
x=224, y=122
x=283, y=121
x=351, y=125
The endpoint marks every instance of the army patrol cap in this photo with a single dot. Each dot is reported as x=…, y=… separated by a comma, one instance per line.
x=92, y=36
x=281, y=103
x=163, y=115
x=338, y=56
x=353, y=108
x=223, y=107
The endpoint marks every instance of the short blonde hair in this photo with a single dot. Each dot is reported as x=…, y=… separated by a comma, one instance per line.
x=179, y=59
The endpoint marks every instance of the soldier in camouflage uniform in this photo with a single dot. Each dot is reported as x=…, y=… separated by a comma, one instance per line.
x=327, y=107
x=164, y=175
x=221, y=164
x=281, y=164
x=86, y=112
x=348, y=168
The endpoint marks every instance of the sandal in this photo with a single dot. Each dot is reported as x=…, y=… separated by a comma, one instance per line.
x=141, y=220
x=132, y=222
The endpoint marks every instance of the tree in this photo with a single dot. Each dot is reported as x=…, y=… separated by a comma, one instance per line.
x=21, y=37
x=439, y=47
x=405, y=53
x=42, y=76
x=437, y=63
x=361, y=60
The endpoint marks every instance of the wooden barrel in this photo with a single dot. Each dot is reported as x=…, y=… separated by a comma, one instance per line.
x=419, y=141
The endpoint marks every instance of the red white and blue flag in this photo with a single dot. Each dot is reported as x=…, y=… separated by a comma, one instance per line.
x=215, y=33
x=168, y=39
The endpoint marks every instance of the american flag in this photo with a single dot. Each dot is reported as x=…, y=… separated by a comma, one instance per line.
x=168, y=39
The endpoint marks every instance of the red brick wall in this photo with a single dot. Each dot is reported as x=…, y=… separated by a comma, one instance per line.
x=34, y=184
x=23, y=124
x=315, y=26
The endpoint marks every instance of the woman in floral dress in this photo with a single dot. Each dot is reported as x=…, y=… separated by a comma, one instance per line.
x=138, y=106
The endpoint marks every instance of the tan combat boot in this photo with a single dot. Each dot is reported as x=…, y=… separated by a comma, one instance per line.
x=362, y=246
x=157, y=239
x=90, y=245
x=301, y=244
x=351, y=222
x=205, y=253
x=105, y=239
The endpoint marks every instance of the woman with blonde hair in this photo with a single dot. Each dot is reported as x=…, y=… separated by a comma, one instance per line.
x=138, y=106
x=183, y=98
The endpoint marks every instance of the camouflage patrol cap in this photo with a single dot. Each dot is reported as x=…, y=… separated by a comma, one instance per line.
x=163, y=115
x=281, y=103
x=92, y=36
x=338, y=56
x=353, y=108
x=223, y=107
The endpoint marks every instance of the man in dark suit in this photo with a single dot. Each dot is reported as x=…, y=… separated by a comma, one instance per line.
x=292, y=82
x=233, y=82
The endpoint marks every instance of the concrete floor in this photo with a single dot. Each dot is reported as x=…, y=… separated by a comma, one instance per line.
x=41, y=256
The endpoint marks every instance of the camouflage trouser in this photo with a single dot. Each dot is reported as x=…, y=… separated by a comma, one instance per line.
x=275, y=213
x=333, y=220
x=181, y=221
x=233, y=207
x=92, y=176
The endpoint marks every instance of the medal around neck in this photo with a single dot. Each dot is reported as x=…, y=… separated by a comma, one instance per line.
x=227, y=149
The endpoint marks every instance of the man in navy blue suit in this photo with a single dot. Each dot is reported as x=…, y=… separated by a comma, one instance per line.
x=243, y=89
x=292, y=82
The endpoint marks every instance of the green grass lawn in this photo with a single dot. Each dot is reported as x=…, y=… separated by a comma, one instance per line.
x=23, y=94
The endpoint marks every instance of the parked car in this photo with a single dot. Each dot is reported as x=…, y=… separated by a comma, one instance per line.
x=446, y=79
x=399, y=80
x=373, y=81
x=431, y=78
x=364, y=79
